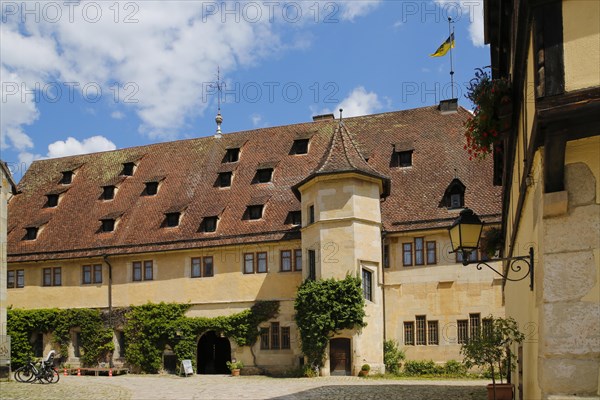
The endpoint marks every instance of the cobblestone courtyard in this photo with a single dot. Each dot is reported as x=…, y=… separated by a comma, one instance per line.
x=136, y=387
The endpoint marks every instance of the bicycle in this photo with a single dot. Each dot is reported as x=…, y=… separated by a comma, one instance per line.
x=44, y=372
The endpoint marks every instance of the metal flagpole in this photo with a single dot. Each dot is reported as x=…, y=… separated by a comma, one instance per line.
x=450, y=32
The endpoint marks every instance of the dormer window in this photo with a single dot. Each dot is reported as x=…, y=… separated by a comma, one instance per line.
x=224, y=179
x=402, y=159
x=172, y=219
x=108, y=225
x=454, y=197
x=128, y=169
x=52, y=200
x=67, y=177
x=151, y=188
x=231, y=155
x=209, y=224
x=294, y=218
x=31, y=233
x=254, y=212
x=108, y=192
x=300, y=146
x=263, y=175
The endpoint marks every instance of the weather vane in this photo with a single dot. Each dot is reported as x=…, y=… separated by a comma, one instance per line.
x=218, y=85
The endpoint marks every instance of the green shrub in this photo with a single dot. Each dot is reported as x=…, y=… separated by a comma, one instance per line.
x=365, y=367
x=422, y=367
x=392, y=356
x=455, y=368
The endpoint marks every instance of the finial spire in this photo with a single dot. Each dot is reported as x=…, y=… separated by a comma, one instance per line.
x=219, y=86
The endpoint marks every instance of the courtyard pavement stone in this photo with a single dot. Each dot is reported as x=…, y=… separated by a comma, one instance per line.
x=201, y=387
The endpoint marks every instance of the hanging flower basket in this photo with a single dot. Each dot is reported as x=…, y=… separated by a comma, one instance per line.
x=492, y=115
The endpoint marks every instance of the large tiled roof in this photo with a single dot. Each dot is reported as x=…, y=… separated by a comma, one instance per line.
x=188, y=170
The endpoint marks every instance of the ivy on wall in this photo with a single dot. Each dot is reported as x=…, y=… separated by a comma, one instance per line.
x=148, y=330
x=325, y=307
x=96, y=336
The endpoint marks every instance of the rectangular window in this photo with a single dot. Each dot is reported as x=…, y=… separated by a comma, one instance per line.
x=274, y=335
x=294, y=218
x=462, y=331
x=409, y=333
x=137, y=270
x=86, y=274
x=52, y=200
x=285, y=337
x=122, y=344
x=254, y=212
x=224, y=179
x=261, y=263
x=31, y=233
x=97, y=273
x=386, y=256
x=263, y=175
x=402, y=159
x=312, y=265
x=172, y=219
x=151, y=188
x=208, y=266
x=77, y=344
x=10, y=279
x=108, y=192
x=419, y=260
x=487, y=327
x=52, y=276
x=300, y=146
x=367, y=283
x=128, y=169
x=67, y=177
x=20, y=278
x=249, y=263
x=196, y=267
x=108, y=225
x=209, y=224
x=264, y=339
x=432, y=333
x=420, y=330
x=232, y=155
x=148, y=271
x=298, y=260
x=474, y=325
x=286, y=260
x=311, y=214
x=407, y=254
x=431, y=253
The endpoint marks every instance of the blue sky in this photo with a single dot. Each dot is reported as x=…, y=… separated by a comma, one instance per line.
x=94, y=76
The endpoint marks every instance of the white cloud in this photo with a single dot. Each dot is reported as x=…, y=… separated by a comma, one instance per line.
x=357, y=8
x=473, y=10
x=358, y=102
x=72, y=146
x=256, y=119
x=398, y=24
x=18, y=109
x=117, y=115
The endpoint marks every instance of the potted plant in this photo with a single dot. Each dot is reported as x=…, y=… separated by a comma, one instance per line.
x=490, y=349
x=491, y=241
x=235, y=367
x=492, y=114
x=364, y=370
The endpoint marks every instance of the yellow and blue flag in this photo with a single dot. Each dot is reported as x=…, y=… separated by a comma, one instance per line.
x=443, y=49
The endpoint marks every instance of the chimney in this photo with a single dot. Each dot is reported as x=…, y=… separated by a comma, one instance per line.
x=449, y=106
x=324, y=117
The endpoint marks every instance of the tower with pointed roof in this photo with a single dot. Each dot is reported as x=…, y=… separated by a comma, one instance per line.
x=340, y=203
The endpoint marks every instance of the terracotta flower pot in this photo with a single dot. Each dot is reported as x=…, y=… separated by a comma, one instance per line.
x=235, y=372
x=504, y=391
x=363, y=373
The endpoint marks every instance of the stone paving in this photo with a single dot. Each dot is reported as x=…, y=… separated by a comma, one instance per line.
x=200, y=387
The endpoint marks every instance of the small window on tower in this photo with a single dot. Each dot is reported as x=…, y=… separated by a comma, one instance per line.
x=300, y=146
x=67, y=178
x=231, y=155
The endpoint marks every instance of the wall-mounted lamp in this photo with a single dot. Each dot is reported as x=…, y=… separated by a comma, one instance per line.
x=465, y=233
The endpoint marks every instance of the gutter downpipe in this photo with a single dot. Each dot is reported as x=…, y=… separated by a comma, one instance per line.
x=110, y=322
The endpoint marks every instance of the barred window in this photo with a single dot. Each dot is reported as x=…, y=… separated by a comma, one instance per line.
x=285, y=337
x=420, y=330
x=474, y=325
x=367, y=284
x=274, y=335
x=463, y=331
x=488, y=327
x=432, y=333
x=264, y=338
x=409, y=333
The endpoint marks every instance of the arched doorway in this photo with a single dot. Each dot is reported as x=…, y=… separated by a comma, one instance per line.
x=213, y=354
x=340, y=359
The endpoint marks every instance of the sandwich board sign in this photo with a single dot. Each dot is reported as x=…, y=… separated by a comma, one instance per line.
x=186, y=367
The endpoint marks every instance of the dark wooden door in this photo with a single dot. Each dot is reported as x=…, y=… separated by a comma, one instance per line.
x=340, y=359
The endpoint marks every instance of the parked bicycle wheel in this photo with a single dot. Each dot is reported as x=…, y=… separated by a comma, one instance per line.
x=24, y=374
x=51, y=375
